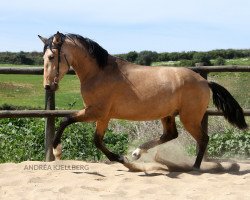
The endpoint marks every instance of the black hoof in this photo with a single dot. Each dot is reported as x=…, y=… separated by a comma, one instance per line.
x=122, y=159
x=196, y=168
x=118, y=158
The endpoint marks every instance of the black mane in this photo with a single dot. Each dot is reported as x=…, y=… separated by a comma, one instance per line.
x=94, y=49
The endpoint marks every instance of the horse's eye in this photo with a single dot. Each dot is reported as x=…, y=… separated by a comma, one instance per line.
x=51, y=57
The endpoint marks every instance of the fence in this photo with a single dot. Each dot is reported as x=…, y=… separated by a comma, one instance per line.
x=50, y=113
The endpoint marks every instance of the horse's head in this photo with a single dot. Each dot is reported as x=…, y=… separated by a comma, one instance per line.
x=56, y=64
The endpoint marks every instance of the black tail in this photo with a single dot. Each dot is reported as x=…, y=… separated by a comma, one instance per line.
x=225, y=102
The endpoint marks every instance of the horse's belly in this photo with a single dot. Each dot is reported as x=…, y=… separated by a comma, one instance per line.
x=147, y=110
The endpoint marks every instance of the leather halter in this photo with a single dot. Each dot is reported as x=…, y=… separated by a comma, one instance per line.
x=58, y=46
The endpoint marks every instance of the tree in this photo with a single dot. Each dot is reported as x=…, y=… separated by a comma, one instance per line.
x=202, y=57
x=131, y=56
x=146, y=57
x=220, y=61
x=21, y=59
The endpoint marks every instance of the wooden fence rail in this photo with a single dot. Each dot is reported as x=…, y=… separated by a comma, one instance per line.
x=202, y=69
x=50, y=113
x=63, y=113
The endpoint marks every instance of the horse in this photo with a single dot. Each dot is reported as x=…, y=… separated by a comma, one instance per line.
x=113, y=88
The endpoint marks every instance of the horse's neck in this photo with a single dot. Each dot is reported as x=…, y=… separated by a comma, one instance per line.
x=84, y=66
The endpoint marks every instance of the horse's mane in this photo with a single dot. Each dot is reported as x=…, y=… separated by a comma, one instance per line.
x=93, y=48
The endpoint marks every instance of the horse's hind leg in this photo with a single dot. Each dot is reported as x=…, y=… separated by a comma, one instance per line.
x=169, y=133
x=193, y=126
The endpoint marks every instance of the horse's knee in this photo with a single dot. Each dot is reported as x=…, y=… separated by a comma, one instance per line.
x=65, y=122
x=169, y=135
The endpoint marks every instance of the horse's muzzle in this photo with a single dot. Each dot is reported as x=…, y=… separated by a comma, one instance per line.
x=52, y=87
x=47, y=87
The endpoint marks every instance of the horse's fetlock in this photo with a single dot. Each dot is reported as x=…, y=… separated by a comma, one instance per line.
x=58, y=152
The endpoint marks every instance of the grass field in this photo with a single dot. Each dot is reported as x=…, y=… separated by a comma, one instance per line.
x=239, y=61
x=27, y=90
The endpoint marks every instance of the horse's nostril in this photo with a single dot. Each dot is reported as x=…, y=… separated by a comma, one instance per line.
x=47, y=87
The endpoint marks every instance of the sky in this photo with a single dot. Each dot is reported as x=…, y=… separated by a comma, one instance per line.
x=128, y=25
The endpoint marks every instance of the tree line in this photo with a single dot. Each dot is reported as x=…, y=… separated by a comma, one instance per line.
x=21, y=58
x=144, y=57
x=186, y=58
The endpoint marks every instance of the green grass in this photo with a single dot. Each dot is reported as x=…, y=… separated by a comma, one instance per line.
x=239, y=61
x=165, y=63
x=27, y=90
x=15, y=65
x=237, y=83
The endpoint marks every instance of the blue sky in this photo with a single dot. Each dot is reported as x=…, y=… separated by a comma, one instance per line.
x=123, y=26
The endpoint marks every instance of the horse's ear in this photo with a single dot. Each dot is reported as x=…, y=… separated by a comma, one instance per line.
x=57, y=37
x=44, y=40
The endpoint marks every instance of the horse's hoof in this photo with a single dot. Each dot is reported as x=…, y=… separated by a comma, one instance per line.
x=196, y=169
x=125, y=159
x=136, y=154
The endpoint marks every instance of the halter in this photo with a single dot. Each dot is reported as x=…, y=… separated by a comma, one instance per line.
x=58, y=46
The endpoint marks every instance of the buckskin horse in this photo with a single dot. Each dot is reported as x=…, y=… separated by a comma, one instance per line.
x=114, y=88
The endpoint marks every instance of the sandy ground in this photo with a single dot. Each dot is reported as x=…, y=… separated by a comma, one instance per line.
x=171, y=177
x=58, y=180
x=82, y=180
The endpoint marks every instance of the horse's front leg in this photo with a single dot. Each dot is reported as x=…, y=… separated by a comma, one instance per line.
x=101, y=126
x=86, y=115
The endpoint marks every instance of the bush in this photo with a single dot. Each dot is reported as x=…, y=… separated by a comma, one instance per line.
x=131, y=56
x=21, y=58
x=219, y=61
x=230, y=143
x=201, y=57
x=78, y=143
x=23, y=139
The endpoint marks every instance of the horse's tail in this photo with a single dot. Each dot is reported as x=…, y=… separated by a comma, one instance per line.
x=225, y=102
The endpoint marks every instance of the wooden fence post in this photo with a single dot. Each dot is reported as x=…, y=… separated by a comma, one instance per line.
x=49, y=125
